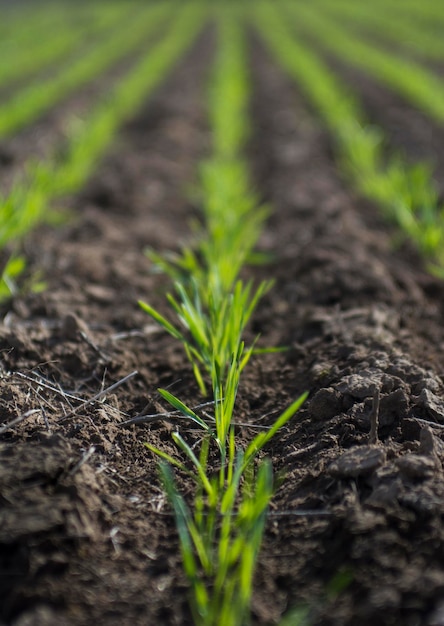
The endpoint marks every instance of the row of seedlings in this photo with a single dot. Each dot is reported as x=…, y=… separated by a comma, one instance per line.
x=29, y=200
x=410, y=79
x=406, y=193
x=35, y=47
x=32, y=101
x=221, y=530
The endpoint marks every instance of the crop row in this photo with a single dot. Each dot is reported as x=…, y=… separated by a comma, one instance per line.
x=406, y=193
x=38, y=47
x=29, y=103
x=29, y=200
x=410, y=79
x=221, y=533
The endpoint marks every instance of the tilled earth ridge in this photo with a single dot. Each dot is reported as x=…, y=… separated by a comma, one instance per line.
x=92, y=546
x=355, y=314
x=85, y=531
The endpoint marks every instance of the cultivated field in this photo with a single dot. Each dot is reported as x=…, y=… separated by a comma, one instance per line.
x=221, y=313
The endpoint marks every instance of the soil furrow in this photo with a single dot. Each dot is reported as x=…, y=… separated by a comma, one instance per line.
x=92, y=546
x=353, y=310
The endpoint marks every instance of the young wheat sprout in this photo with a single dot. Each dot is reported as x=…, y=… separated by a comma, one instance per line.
x=221, y=534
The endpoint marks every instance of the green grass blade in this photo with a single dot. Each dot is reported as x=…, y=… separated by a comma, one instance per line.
x=182, y=444
x=263, y=438
x=167, y=457
x=180, y=406
x=160, y=319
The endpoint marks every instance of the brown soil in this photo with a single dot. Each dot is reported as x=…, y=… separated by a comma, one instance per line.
x=355, y=532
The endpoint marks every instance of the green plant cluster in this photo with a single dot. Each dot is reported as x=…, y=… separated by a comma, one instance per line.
x=221, y=534
x=29, y=200
x=406, y=193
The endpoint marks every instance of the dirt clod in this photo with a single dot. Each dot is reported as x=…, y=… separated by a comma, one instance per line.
x=360, y=461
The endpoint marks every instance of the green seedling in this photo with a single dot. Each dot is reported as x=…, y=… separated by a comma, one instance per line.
x=221, y=536
x=221, y=533
x=9, y=274
x=12, y=281
x=220, y=543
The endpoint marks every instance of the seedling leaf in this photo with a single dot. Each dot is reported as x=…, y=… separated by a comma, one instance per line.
x=161, y=320
x=180, y=406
